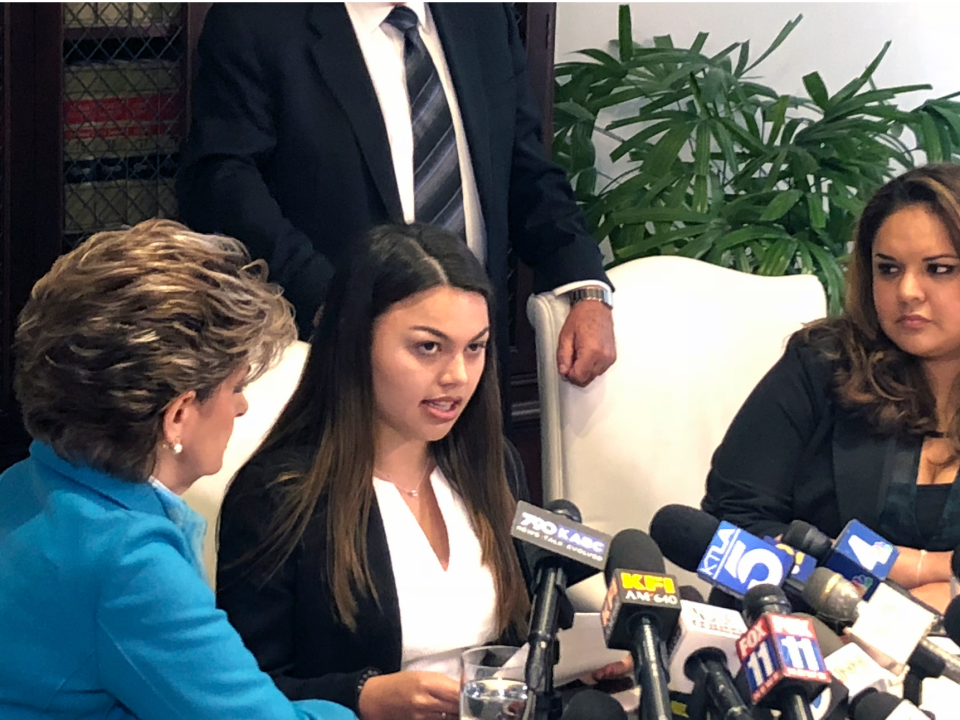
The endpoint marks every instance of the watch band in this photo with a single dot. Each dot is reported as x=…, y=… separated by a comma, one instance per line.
x=591, y=293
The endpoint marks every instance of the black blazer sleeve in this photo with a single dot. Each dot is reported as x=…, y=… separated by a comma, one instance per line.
x=546, y=226
x=233, y=134
x=264, y=612
x=751, y=481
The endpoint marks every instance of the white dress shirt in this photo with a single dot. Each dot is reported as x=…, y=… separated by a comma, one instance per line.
x=382, y=48
x=442, y=612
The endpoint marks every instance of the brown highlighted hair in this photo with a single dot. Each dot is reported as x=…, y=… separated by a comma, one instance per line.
x=874, y=376
x=127, y=322
x=332, y=411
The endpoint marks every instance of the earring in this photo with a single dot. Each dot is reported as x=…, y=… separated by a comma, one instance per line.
x=177, y=448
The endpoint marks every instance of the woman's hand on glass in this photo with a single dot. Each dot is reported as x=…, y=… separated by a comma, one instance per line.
x=413, y=695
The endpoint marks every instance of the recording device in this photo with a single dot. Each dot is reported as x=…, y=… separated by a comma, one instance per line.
x=889, y=628
x=859, y=554
x=642, y=606
x=564, y=552
x=589, y=704
x=884, y=706
x=784, y=666
x=725, y=556
x=703, y=655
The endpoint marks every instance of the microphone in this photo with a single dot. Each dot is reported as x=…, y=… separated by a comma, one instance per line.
x=890, y=628
x=859, y=554
x=831, y=703
x=564, y=552
x=724, y=555
x=641, y=607
x=703, y=655
x=785, y=668
x=590, y=704
x=884, y=706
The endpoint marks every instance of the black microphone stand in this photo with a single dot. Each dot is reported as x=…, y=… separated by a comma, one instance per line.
x=545, y=653
x=651, y=674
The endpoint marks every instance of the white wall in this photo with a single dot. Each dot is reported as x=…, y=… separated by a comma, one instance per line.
x=835, y=39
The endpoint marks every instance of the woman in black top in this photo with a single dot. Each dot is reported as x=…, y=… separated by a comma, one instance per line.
x=861, y=416
x=400, y=388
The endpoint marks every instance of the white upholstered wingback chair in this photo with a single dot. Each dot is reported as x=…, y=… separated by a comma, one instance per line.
x=693, y=339
x=266, y=397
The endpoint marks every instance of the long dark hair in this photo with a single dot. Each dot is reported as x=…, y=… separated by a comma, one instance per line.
x=874, y=376
x=332, y=410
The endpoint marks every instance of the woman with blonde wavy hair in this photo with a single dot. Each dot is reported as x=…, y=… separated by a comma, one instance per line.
x=132, y=354
x=860, y=419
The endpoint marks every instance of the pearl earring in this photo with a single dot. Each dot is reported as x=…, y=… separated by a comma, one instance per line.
x=177, y=448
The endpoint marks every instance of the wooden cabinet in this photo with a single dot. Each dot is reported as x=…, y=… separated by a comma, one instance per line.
x=95, y=101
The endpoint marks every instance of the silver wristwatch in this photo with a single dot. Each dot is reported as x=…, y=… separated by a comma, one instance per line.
x=591, y=293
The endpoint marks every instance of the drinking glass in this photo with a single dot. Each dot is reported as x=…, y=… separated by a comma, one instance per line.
x=492, y=685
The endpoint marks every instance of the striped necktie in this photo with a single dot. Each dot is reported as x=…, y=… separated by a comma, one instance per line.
x=437, y=190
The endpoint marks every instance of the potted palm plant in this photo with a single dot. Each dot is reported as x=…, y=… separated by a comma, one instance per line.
x=721, y=167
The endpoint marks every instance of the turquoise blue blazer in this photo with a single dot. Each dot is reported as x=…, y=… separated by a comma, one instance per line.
x=104, y=613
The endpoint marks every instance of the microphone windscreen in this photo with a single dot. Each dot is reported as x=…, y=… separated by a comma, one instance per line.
x=951, y=620
x=688, y=593
x=683, y=534
x=565, y=508
x=832, y=597
x=764, y=598
x=805, y=537
x=873, y=706
x=633, y=550
x=592, y=704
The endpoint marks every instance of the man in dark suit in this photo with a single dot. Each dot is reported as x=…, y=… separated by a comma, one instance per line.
x=305, y=135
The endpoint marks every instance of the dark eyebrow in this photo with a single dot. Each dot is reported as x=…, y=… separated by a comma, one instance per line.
x=443, y=336
x=949, y=256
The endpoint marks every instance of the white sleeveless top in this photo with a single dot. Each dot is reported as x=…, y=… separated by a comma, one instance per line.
x=442, y=613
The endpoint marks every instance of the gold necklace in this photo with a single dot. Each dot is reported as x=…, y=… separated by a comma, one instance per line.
x=412, y=493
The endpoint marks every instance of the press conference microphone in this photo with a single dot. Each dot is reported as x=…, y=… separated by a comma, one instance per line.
x=884, y=706
x=590, y=704
x=641, y=607
x=848, y=663
x=858, y=554
x=831, y=703
x=565, y=552
x=889, y=627
x=784, y=664
x=703, y=655
x=724, y=555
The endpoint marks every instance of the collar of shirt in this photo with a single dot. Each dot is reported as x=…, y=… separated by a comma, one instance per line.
x=370, y=16
x=191, y=523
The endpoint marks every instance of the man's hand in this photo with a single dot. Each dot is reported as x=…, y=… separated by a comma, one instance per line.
x=586, y=347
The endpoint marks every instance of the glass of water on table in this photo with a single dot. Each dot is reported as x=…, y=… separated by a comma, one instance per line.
x=492, y=685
